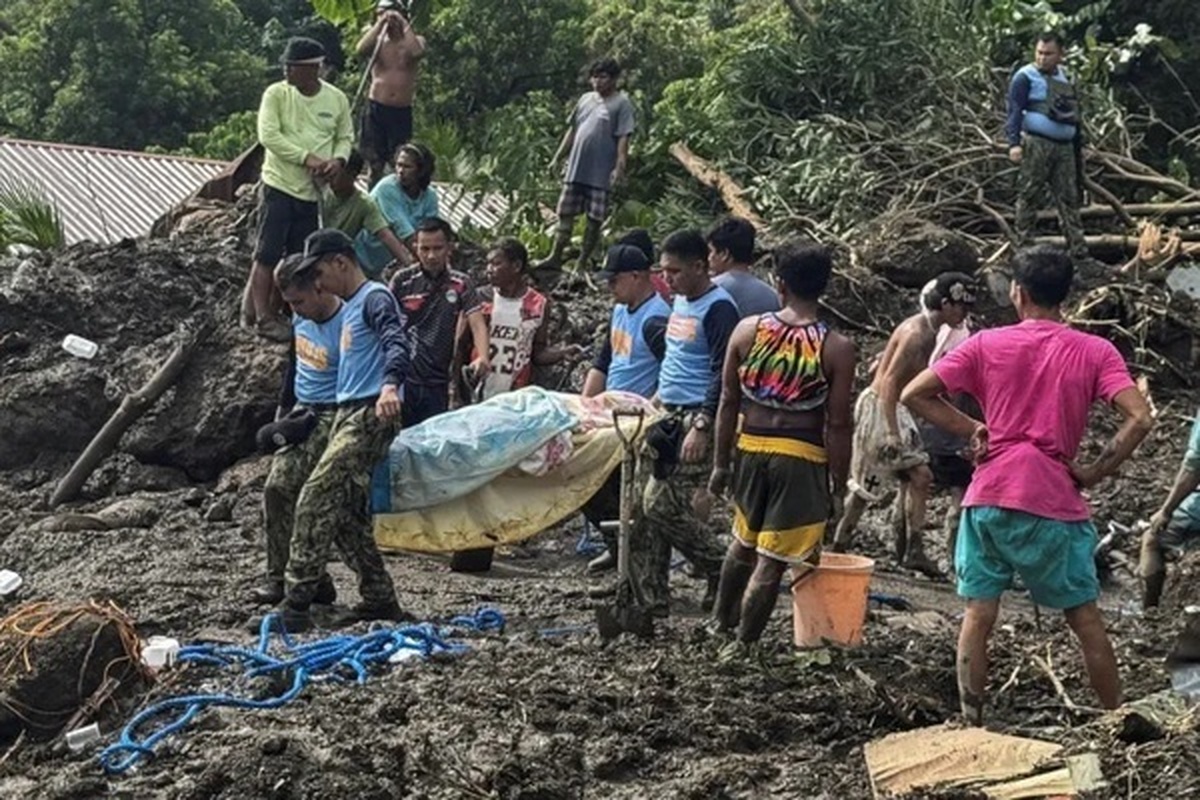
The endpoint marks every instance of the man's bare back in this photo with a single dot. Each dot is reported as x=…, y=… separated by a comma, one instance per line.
x=397, y=64
x=906, y=354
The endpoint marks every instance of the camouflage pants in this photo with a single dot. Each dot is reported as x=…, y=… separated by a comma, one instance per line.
x=333, y=509
x=290, y=468
x=666, y=520
x=1048, y=166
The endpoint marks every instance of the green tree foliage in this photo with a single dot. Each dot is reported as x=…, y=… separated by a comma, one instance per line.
x=125, y=73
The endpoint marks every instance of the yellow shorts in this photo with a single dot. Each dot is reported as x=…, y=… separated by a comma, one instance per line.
x=781, y=499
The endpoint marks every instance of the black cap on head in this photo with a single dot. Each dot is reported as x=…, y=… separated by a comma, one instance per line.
x=323, y=243
x=623, y=258
x=302, y=50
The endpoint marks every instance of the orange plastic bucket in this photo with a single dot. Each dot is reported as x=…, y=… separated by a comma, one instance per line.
x=831, y=605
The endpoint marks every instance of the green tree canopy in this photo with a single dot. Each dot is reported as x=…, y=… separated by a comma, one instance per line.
x=125, y=73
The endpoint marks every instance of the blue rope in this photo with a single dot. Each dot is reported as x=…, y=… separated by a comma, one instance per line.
x=591, y=542
x=333, y=658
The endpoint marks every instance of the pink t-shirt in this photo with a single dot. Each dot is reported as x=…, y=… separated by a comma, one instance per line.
x=1036, y=382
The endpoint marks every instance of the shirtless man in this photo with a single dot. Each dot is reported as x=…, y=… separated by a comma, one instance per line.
x=887, y=442
x=395, y=51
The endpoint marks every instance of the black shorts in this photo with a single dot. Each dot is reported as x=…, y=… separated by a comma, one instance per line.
x=284, y=222
x=382, y=130
x=951, y=472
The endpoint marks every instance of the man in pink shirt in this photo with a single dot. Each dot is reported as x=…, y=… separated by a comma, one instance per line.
x=1023, y=513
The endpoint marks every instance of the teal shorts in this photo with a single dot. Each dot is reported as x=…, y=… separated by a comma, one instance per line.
x=1053, y=558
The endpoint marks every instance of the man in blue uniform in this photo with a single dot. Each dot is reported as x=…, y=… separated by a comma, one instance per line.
x=628, y=362
x=674, y=461
x=333, y=504
x=309, y=393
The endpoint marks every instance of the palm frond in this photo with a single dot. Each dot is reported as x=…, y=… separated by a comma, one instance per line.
x=28, y=217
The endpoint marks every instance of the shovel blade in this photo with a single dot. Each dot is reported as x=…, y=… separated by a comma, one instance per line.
x=618, y=618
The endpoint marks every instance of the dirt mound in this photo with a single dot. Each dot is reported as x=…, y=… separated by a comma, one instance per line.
x=910, y=251
x=132, y=299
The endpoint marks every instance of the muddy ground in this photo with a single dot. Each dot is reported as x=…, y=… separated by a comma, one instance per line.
x=169, y=530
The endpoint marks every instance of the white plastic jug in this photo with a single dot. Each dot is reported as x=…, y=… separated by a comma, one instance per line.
x=9, y=582
x=79, y=346
x=160, y=651
x=83, y=737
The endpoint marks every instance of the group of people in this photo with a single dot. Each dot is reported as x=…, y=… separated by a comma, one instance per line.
x=757, y=390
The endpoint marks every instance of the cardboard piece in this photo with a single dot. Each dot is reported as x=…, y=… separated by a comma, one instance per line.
x=1000, y=766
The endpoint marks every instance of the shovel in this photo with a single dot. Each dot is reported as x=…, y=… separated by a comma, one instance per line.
x=629, y=612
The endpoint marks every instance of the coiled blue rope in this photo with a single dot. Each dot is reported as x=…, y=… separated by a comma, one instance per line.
x=332, y=658
x=591, y=542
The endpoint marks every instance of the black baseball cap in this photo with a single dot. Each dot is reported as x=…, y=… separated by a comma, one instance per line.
x=322, y=243
x=623, y=258
x=302, y=50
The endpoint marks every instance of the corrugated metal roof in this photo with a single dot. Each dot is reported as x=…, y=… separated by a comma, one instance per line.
x=105, y=195
x=459, y=207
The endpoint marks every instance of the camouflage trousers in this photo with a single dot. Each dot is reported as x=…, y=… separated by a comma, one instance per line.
x=290, y=468
x=1049, y=167
x=665, y=520
x=333, y=509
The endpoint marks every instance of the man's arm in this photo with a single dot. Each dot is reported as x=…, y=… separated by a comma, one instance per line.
x=394, y=246
x=287, y=392
x=366, y=45
x=564, y=146
x=654, y=331
x=383, y=316
x=482, y=341
x=1018, y=99
x=900, y=368
x=546, y=354
x=925, y=396
x=1187, y=481
x=413, y=44
x=622, y=159
x=1137, y=423
x=839, y=358
x=343, y=138
x=719, y=323
x=727, y=411
x=270, y=133
x=597, y=377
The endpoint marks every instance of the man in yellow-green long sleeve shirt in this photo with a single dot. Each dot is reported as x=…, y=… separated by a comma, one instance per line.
x=305, y=128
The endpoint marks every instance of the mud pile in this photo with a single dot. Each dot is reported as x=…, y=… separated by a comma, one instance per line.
x=169, y=529
x=134, y=300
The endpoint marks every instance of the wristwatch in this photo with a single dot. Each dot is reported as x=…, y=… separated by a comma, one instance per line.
x=701, y=422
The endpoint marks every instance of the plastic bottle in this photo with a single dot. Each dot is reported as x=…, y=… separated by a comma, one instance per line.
x=9, y=582
x=79, y=346
x=82, y=737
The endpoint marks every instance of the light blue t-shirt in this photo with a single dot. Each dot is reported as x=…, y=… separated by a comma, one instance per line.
x=751, y=295
x=599, y=122
x=360, y=351
x=1188, y=513
x=403, y=214
x=317, y=358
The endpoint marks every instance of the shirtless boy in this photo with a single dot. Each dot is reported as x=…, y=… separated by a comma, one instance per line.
x=887, y=442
